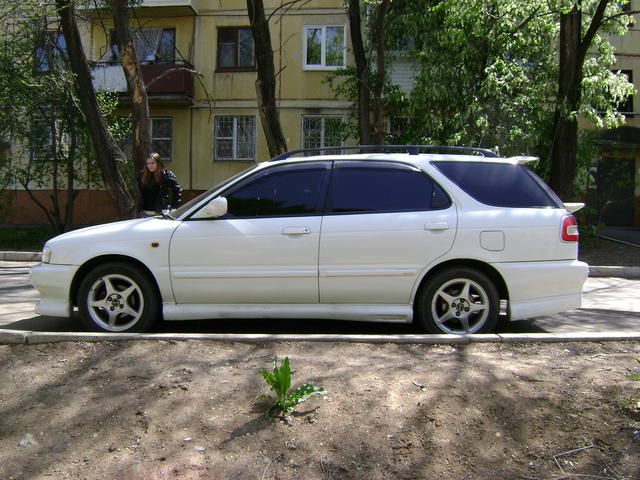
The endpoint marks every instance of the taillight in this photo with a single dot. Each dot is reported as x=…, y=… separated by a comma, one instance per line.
x=569, y=229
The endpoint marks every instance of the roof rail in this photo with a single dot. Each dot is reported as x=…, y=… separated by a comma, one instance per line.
x=410, y=149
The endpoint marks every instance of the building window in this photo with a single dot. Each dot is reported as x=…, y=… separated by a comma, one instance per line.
x=152, y=45
x=324, y=47
x=51, y=51
x=162, y=137
x=5, y=151
x=626, y=106
x=48, y=138
x=236, y=49
x=235, y=137
x=319, y=131
x=166, y=52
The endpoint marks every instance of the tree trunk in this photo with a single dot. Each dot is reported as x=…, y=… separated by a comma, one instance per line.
x=266, y=81
x=377, y=41
x=573, y=51
x=362, y=72
x=135, y=84
x=71, y=191
x=55, y=190
x=102, y=142
x=565, y=141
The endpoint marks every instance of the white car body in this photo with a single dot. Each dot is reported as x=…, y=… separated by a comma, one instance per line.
x=367, y=267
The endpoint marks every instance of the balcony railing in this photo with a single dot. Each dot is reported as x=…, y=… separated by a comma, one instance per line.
x=163, y=81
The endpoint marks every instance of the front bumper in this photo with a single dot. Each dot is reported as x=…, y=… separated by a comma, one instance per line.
x=543, y=288
x=54, y=284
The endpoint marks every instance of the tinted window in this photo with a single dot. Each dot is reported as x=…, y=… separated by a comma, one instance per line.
x=382, y=187
x=280, y=191
x=498, y=184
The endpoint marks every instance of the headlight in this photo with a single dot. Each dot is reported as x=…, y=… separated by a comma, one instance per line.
x=46, y=254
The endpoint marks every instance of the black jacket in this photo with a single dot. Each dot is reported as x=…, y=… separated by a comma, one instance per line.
x=165, y=196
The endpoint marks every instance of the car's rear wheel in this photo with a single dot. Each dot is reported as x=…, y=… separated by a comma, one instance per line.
x=118, y=297
x=458, y=301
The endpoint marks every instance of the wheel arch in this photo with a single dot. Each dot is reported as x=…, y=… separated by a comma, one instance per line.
x=466, y=263
x=86, y=267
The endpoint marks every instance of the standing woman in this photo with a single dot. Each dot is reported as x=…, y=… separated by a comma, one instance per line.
x=159, y=188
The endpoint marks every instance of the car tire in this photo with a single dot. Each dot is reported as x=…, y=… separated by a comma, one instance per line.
x=458, y=301
x=118, y=297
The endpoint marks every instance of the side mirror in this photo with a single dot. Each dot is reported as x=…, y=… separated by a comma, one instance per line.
x=214, y=209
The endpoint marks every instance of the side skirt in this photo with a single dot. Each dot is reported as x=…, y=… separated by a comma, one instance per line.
x=362, y=313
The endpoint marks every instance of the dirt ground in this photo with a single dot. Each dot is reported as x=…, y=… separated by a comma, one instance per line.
x=187, y=410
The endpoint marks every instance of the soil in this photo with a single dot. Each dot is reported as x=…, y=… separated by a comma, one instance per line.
x=191, y=410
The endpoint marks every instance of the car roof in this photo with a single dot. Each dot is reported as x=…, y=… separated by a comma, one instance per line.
x=414, y=159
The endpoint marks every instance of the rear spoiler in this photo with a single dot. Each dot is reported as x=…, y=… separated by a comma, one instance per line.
x=573, y=207
x=522, y=159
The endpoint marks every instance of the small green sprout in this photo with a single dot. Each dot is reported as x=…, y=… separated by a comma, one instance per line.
x=279, y=379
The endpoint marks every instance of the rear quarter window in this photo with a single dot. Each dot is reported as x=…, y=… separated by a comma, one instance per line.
x=499, y=184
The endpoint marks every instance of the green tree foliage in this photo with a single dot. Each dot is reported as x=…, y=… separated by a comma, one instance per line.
x=40, y=116
x=487, y=73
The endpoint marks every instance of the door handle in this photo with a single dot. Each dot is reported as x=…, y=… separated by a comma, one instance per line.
x=436, y=226
x=296, y=231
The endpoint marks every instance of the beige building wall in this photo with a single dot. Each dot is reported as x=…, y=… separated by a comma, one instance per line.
x=298, y=91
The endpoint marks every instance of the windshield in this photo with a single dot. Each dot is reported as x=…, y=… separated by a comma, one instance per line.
x=186, y=206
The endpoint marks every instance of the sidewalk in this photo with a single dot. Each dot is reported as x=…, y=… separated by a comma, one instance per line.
x=594, y=270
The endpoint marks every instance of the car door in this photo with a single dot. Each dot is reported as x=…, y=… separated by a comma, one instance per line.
x=264, y=250
x=384, y=223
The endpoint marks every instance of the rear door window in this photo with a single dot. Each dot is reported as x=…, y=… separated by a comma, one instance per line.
x=500, y=184
x=380, y=187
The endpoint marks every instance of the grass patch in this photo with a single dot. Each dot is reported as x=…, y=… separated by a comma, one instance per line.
x=24, y=238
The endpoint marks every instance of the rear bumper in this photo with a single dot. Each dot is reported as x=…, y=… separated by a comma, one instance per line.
x=54, y=283
x=543, y=288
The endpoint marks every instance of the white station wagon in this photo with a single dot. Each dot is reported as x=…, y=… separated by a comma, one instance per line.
x=454, y=241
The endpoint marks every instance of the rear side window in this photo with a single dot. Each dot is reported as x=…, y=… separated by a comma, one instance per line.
x=380, y=187
x=499, y=184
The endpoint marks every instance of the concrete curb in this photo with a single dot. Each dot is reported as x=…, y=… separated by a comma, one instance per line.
x=622, y=272
x=20, y=256
x=28, y=337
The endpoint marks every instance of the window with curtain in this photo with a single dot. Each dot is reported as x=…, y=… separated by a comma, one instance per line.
x=152, y=45
x=51, y=51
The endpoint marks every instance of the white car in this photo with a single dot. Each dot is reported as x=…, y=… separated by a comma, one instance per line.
x=453, y=241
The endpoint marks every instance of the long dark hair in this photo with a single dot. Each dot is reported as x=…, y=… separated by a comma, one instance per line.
x=157, y=175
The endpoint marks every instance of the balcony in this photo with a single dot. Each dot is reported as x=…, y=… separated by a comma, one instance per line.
x=167, y=84
x=161, y=8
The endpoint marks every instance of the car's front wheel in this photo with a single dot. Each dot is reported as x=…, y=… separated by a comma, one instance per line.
x=118, y=297
x=458, y=301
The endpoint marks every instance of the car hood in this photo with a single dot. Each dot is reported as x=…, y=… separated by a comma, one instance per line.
x=120, y=238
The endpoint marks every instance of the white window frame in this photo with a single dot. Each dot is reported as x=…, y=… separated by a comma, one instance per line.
x=234, y=139
x=164, y=158
x=322, y=130
x=323, y=49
